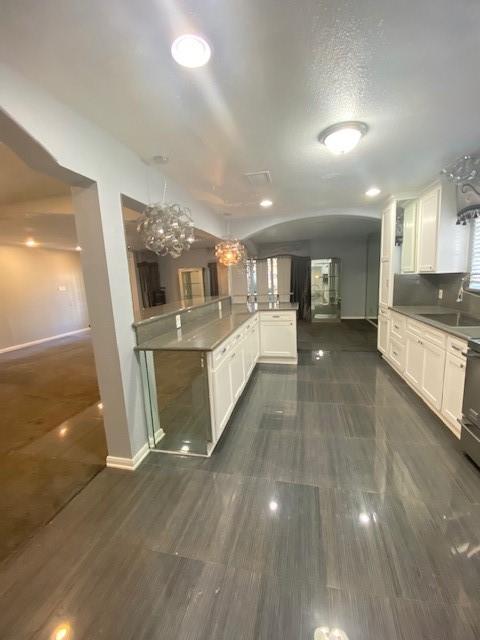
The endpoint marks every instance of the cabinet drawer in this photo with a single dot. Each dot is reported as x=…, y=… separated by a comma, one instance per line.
x=457, y=346
x=426, y=332
x=397, y=326
x=221, y=352
x=396, y=354
x=277, y=316
x=435, y=336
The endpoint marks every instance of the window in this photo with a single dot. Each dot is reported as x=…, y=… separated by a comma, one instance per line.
x=251, y=277
x=272, y=276
x=475, y=257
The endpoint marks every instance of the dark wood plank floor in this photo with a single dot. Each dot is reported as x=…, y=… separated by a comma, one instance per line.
x=335, y=500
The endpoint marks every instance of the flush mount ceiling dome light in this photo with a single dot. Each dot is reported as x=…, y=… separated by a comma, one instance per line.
x=343, y=137
x=266, y=202
x=372, y=192
x=191, y=51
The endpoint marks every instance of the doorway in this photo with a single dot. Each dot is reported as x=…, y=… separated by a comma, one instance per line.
x=190, y=281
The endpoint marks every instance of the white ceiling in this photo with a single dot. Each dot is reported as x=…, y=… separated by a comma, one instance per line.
x=324, y=228
x=19, y=183
x=280, y=72
x=33, y=205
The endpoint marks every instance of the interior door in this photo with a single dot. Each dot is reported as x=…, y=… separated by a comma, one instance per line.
x=191, y=283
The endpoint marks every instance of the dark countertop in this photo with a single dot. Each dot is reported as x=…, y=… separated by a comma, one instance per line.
x=207, y=336
x=415, y=311
x=164, y=310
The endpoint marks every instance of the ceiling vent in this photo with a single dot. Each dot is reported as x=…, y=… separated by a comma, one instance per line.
x=258, y=179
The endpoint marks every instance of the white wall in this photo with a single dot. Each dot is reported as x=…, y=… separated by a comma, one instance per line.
x=32, y=306
x=353, y=254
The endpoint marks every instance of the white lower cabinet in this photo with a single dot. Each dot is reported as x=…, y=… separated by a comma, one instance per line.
x=453, y=386
x=432, y=362
x=232, y=363
x=396, y=353
x=222, y=396
x=237, y=370
x=278, y=337
x=433, y=373
x=382, y=337
x=413, y=359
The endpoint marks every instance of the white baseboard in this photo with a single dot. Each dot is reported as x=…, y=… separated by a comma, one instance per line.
x=159, y=433
x=129, y=464
x=34, y=342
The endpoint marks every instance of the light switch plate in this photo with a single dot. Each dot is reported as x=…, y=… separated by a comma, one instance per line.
x=178, y=321
x=440, y=294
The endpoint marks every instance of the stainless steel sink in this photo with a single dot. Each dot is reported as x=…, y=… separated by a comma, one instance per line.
x=453, y=319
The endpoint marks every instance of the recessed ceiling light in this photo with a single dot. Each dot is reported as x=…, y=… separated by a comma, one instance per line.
x=31, y=242
x=78, y=248
x=191, y=51
x=266, y=203
x=372, y=192
x=343, y=137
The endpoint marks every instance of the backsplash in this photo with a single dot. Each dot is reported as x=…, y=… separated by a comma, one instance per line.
x=415, y=289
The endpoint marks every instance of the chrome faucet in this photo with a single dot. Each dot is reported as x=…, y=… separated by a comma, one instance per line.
x=461, y=291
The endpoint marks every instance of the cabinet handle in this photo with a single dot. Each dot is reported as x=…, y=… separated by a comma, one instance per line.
x=232, y=357
x=223, y=350
x=275, y=316
x=395, y=354
x=462, y=366
x=396, y=326
x=454, y=346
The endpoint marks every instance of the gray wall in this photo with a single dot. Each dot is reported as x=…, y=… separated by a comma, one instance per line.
x=356, y=268
x=422, y=289
x=41, y=294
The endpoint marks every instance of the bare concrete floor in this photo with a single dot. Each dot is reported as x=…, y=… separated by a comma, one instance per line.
x=52, y=441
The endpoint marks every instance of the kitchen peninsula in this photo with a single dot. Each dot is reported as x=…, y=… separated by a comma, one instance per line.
x=196, y=358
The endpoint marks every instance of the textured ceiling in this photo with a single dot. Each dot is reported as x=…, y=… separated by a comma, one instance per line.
x=280, y=72
x=325, y=228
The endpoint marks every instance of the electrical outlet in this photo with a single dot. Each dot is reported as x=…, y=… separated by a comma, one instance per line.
x=178, y=321
x=440, y=294
x=219, y=305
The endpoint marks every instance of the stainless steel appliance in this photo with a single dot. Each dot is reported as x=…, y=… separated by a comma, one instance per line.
x=470, y=438
x=325, y=289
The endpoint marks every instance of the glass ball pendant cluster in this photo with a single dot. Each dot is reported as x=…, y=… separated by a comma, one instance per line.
x=167, y=229
x=230, y=252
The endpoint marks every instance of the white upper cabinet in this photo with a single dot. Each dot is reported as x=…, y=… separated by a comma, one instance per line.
x=386, y=241
x=442, y=245
x=408, y=261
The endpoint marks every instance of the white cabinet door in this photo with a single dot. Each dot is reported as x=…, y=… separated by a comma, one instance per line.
x=222, y=396
x=433, y=373
x=429, y=211
x=382, y=336
x=237, y=370
x=384, y=294
x=453, y=385
x=409, y=237
x=278, y=339
x=386, y=242
x=396, y=353
x=413, y=359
